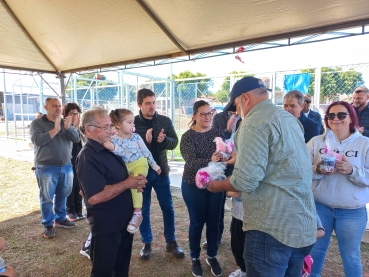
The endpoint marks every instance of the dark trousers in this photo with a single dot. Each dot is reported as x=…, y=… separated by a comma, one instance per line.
x=111, y=254
x=238, y=242
x=221, y=222
x=265, y=256
x=203, y=208
x=74, y=200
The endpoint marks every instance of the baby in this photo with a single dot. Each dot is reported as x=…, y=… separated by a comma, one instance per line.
x=132, y=149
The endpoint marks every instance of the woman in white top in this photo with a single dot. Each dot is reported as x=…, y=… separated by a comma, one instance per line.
x=342, y=194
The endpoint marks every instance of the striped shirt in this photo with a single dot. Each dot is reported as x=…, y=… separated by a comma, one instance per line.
x=273, y=171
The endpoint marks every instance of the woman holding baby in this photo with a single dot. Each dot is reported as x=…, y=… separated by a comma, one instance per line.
x=342, y=191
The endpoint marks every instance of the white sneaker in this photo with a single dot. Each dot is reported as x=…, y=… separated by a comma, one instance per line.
x=238, y=273
x=135, y=223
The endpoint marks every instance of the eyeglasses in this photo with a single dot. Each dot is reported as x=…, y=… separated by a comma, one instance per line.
x=73, y=114
x=104, y=128
x=203, y=115
x=308, y=101
x=340, y=116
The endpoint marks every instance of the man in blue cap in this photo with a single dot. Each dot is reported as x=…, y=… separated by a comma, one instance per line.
x=273, y=171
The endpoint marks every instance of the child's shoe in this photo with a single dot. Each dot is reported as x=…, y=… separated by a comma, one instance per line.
x=135, y=223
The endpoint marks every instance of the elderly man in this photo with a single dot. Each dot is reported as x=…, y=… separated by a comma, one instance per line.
x=293, y=102
x=311, y=114
x=106, y=186
x=158, y=133
x=273, y=172
x=53, y=138
x=360, y=99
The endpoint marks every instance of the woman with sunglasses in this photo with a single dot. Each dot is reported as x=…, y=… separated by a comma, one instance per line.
x=342, y=194
x=204, y=207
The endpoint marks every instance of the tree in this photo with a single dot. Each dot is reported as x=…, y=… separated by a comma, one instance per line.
x=222, y=96
x=97, y=83
x=227, y=80
x=335, y=82
x=198, y=88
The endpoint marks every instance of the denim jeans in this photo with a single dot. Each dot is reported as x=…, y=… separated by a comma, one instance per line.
x=265, y=256
x=203, y=207
x=164, y=196
x=55, y=184
x=349, y=226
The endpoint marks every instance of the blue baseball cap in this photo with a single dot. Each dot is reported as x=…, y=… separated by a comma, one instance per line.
x=244, y=85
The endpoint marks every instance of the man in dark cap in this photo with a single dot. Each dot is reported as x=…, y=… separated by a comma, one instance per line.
x=273, y=171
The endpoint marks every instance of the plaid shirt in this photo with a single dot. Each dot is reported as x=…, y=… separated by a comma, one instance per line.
x=273, y=170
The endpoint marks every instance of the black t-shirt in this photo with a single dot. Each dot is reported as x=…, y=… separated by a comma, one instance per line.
x=97, y=167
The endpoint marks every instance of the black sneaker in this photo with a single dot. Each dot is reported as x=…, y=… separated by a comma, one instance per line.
x=65, y=224
x=49, y=232
x=81, y=215
x=197, y=268
x=145, y=251
x=72, y=217
x=85, y=251
x=215, y=266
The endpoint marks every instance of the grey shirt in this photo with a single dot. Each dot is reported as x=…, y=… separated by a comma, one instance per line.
x=273, y=171
x=56, y=151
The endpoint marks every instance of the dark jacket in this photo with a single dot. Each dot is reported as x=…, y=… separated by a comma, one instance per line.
x=220, y=120
x=317, y=118
x=364, y=120
x=158, y=150
x=311, y=127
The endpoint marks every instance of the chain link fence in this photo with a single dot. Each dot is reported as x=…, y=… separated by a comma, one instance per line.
x=174, y=98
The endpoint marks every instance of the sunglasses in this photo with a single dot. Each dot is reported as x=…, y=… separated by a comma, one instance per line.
x=308, y=101
x=340, y=116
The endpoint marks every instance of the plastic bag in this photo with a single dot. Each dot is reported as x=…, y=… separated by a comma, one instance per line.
x=330, y=156
x=214, y=171
x=224, y=147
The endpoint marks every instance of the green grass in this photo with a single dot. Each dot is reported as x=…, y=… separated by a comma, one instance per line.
x=32, y=255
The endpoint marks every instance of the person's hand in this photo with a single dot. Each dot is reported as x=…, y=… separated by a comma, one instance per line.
x=320, y=233
x=75, y=121
x=138, y=182
x=158, y=171
x=149, y=135
x=232, y=159
x=233, y=194
x=213, y=186
x=161, y=136
x=109, y=145
x=216, y=157
x=67, y=122
x=361, y=130
x=231, y=122
x=344, y=167
x=57, y=123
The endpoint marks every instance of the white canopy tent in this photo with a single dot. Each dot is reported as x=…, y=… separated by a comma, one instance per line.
x=77, y=35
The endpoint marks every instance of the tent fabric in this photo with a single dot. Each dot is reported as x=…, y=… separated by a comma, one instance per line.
x=299, y=82
x=67, y=35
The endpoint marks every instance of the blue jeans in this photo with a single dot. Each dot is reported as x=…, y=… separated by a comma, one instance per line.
x=203, y=207
x=164, y=196
x=349, y=226
x=54, y=181
x=265, y=256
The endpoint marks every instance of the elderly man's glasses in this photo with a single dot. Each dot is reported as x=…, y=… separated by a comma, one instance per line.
x=203, y=115
x=308, y=101
x=104, y=128
x=340, y=116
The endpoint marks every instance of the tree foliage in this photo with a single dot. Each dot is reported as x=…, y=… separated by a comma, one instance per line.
x=192, y=88
x=227, y=80
x=96, y=83
x=335, y=82
x=222, y=96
